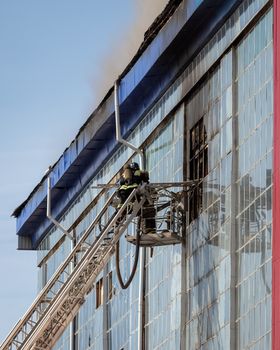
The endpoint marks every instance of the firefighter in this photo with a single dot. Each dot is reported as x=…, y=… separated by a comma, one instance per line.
x=132, y=177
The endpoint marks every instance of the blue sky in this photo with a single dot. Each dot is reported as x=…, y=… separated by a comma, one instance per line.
x=57, y=60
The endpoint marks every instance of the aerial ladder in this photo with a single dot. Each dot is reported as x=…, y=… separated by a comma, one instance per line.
x=59, y=301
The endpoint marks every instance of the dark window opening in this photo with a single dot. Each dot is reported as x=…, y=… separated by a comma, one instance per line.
x=89, y=341
x=99, y=293
x=198, y=165
x=110, y=285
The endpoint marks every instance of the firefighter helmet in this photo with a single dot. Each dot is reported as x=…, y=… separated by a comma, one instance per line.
x=134, y=166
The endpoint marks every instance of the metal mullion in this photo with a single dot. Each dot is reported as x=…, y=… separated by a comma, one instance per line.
x=234, y=209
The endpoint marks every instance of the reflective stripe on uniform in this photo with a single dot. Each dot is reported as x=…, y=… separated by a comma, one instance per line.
x=126, y=187
x=132, y=186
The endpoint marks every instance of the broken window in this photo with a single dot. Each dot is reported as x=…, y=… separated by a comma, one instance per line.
x=198, y=165
x=99, y=293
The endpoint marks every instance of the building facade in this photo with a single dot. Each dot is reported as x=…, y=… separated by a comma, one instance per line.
x=198, y=99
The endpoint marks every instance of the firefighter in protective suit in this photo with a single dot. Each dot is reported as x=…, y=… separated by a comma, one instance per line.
x=132, y=177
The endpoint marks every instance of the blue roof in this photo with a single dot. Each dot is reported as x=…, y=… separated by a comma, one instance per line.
x=159, y=60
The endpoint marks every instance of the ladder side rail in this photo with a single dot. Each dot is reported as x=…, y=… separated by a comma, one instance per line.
x=87, y=259
x=99, y=268
x=42, y=295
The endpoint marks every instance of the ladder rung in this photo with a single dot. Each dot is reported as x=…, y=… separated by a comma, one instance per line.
x=17, y=343
x=31, y=323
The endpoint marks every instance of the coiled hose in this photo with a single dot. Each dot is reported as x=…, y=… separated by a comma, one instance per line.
x=123, y=284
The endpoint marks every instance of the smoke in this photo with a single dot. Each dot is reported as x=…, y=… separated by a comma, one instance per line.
x=125, y=46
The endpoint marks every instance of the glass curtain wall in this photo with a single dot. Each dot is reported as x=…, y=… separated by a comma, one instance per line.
x=208, y=256
x=255, y=119
x=210, y=233
x=163, y=268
